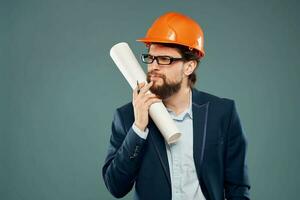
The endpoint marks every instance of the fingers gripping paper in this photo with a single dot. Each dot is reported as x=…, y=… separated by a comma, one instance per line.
x=133, y=72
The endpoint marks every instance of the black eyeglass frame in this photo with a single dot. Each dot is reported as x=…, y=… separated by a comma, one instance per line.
x=172, y=59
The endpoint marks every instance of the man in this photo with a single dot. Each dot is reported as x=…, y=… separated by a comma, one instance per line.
x=208, y=161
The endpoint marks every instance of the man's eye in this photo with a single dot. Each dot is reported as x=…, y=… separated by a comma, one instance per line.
x=148, y=57
x=164, y=59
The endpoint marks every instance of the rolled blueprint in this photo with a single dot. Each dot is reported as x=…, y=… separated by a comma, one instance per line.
x=133, y=72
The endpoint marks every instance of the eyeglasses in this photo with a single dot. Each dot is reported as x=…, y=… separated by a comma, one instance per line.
x=161, y=60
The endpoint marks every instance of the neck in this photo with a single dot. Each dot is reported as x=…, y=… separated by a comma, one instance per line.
x=180, y=101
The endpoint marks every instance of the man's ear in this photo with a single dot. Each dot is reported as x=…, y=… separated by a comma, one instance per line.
x=189, y=67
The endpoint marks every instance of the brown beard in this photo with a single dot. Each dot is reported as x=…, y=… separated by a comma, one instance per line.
x=167, y=89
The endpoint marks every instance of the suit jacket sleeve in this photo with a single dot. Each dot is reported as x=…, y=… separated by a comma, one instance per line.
x=123, y=158
x=236, y=176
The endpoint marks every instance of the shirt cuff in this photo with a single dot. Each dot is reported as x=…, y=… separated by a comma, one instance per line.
x=142, y=134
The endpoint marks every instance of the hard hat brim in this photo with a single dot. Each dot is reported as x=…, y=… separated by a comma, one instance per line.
x=152, y=40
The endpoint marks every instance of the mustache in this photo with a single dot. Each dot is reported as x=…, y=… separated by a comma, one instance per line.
x=156, y=74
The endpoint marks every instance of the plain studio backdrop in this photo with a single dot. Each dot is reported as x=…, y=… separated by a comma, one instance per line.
x=59, y=88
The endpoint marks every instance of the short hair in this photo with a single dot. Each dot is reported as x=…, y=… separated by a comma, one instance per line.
x=188, y=55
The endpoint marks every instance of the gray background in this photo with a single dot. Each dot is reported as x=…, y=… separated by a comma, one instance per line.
x=59, y=88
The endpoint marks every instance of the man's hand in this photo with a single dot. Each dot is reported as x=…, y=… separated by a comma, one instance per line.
x=141, y=103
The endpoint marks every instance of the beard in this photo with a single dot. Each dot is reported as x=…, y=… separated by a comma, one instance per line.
x=165, y=90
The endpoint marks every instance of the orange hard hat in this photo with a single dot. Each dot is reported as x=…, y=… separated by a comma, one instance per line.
x=176, y=28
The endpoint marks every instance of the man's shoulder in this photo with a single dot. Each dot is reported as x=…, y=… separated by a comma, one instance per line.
x=202, y=97
x=219, y=107
x=125, y=114
x=126, y=108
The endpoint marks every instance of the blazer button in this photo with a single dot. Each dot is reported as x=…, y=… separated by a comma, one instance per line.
x=137, y=149
x=133, y=156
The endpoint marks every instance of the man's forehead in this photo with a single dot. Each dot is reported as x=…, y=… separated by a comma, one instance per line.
x=163, y=50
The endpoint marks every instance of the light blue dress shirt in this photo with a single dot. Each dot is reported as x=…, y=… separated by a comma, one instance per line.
x=184, y=180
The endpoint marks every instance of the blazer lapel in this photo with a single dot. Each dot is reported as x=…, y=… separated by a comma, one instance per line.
x=159, y=144
x=200, y=113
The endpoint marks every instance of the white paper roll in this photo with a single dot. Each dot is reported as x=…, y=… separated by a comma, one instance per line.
x=133, y=72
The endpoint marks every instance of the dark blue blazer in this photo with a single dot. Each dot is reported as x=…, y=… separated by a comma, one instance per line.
x=219, y=154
